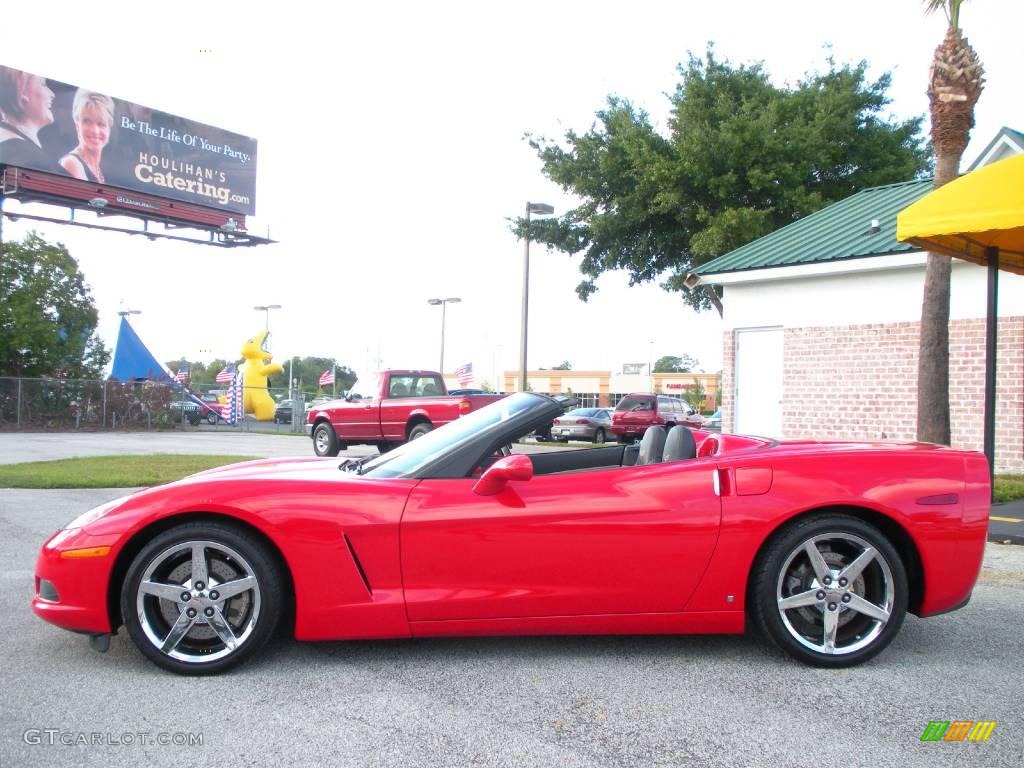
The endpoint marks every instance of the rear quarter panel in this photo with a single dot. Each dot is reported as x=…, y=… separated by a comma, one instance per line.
x=949, y=537
x=398, y=413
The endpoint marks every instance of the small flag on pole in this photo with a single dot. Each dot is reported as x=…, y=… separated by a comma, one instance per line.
x=236, y=399
x=327, y=377
x=464, y=374
x=183, y=373
x=227, y=374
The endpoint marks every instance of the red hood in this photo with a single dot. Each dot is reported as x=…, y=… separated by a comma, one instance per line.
x=310, y=466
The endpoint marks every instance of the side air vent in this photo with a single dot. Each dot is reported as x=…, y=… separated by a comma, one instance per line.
x=359, y=566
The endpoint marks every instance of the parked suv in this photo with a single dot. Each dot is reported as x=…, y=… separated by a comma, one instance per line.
x=636, y=412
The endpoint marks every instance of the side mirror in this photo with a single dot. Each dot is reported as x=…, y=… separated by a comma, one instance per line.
x=496, y=477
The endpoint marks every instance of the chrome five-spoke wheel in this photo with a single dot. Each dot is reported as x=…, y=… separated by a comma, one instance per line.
x=831, y=591
x=201, y=597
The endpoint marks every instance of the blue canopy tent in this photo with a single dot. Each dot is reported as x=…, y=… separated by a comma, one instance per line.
x=132, y=359
x=133, y=362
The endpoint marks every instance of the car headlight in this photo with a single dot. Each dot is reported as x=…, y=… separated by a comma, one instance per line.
x=94, y=514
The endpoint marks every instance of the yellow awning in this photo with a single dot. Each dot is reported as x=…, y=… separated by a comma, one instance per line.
x=981, y=209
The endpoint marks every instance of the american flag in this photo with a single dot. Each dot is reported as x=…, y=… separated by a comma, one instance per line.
x=226, y=374
x=236, y=399
x=464, y=373
x=327, y=377
x=183, y=373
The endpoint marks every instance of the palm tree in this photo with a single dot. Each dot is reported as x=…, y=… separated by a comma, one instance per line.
x=954, y=84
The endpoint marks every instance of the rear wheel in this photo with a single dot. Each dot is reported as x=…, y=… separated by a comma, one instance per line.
x=830, y=591
x=420, y=430
x=599, y=436
x=325, y=441
x=202, y=597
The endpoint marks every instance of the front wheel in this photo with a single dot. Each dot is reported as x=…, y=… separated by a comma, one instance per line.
x=202, y=597
x=325, y=441
x=830, y=591
x=212, y=417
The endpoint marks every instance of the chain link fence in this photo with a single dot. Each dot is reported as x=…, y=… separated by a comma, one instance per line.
x=93, y=405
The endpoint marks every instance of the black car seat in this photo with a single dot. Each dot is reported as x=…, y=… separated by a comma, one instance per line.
x=651, y=446
x=679, y=444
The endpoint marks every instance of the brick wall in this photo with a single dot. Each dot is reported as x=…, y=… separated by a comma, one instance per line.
x=728, y=398
x=860, y=382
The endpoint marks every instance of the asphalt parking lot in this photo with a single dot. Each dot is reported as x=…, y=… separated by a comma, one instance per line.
x=595, y=701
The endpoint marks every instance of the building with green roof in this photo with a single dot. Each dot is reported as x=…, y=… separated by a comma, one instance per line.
x=821, y=328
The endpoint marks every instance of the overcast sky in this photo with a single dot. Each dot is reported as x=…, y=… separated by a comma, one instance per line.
x=391, y=156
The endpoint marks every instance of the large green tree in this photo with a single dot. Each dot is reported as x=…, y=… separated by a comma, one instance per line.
x=676, y=364
x=742, y=158
x=955, y=82
x=47, y=314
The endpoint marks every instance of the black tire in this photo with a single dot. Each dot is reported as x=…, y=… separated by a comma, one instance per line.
x=865, y=613
x=194, y=419
x=325, y=441
x=599, y=436
x=420, y=430
x=249, y=617
x=212, y=417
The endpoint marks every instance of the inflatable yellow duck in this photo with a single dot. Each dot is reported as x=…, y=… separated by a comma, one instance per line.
x=255, y=370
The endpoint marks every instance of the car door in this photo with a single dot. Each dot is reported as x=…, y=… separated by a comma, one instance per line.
x=614, y=541
x=402, y=398
x=359, y=418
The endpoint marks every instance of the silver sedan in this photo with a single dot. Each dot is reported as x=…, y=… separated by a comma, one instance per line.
x=582, y=424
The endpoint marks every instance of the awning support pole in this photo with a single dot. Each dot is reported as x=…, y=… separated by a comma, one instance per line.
x=990, y=361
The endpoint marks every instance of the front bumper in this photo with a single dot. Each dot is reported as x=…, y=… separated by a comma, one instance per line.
x=71, y=592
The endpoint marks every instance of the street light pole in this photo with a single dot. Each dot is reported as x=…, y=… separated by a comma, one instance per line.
x=265, y=308
x=541, y=209
x=444, y=303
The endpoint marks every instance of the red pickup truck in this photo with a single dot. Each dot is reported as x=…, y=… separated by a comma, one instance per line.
x=391, y=408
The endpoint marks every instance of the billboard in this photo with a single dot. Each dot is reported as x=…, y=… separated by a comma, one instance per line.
x=59, y=128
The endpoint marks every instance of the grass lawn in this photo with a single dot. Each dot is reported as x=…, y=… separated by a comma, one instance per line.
x=1009, y=488
x=109, y=471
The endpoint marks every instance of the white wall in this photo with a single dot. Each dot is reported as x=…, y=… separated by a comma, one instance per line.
x=841, y=297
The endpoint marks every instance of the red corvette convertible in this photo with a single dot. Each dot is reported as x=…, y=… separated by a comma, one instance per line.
x=822, y=546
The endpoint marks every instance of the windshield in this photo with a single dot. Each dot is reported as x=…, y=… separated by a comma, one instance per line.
x=408, y=459
x=635, y=404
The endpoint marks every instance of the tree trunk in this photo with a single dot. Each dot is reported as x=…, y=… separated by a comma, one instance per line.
x=933, y=355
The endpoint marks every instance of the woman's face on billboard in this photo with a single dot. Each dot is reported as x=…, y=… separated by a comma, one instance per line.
x=93, y=127
x=37, y=100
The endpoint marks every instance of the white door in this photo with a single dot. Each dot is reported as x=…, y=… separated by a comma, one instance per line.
x=758, y=382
